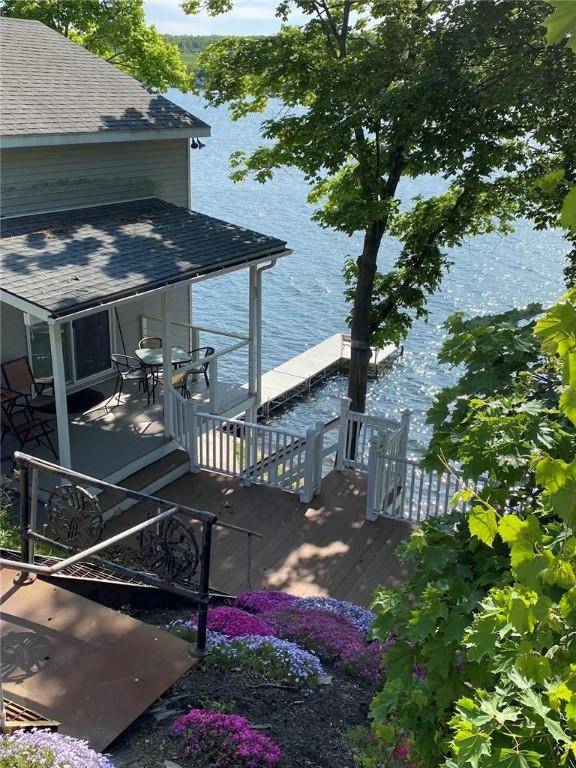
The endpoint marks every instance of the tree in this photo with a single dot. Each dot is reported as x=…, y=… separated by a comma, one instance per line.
x=480, y=667
x=375, y=92
x=116, y=30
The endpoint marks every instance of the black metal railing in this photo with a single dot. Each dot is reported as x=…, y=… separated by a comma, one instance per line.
x=169, y=547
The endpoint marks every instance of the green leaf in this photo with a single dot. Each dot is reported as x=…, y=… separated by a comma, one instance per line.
x=509, y=528
x=550, y=181
x=568, y=403
x=562, y=22
x=469, y=748
x=483, y=525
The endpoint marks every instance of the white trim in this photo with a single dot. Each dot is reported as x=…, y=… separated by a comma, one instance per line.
x=102, y=137
x=160, y=289
x=24, y=306
x=189, y=175
x=59, y=374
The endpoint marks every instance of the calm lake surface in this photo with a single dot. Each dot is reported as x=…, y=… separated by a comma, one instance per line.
x=303, y=302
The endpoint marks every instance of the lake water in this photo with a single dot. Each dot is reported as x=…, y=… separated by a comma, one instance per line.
x=302, y=297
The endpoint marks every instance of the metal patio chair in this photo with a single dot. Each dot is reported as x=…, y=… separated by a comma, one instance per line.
x=20, y=380
x=150, y=342
x=128, y=368
x=180, y=378
x=27, y=429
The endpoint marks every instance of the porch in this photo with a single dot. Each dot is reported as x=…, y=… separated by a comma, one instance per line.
x=83, y=286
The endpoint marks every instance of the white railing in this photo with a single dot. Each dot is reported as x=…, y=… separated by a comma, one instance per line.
x=401, y=488
x=259, y=454
x=359, y=430
x=189, y=335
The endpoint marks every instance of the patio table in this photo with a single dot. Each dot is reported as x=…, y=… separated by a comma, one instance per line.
x=153, y=358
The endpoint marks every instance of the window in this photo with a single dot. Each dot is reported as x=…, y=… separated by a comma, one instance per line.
x=86, y=347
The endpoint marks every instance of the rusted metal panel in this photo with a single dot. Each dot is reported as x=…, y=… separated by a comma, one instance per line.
x=91, y=668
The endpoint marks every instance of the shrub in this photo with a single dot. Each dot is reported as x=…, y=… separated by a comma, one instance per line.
x=332, y=638
x=360, y=617
x=228, y=741
x=234, y=622
x=44, y=749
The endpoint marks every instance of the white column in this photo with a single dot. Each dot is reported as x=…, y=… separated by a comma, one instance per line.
x=165, y=303
x=59, y=374
x=253, y=333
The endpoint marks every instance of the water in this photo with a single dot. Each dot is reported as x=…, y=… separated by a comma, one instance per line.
x=302, y=297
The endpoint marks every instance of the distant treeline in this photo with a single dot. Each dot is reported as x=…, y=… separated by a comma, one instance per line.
x=191, y=46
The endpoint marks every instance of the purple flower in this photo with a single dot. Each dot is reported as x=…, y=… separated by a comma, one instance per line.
x=329, y=636
x=53, y=749
x=234, y=622
x=228, y=741
x=420, y=671
x=358, y=616
x=262, y=601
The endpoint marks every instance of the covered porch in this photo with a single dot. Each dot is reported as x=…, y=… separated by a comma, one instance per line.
x=82, y=286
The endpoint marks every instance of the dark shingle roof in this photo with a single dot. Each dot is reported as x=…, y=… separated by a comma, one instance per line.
x=67, y=261
x=50, y=85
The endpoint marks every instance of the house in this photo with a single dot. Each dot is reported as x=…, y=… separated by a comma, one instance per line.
x=101, y=247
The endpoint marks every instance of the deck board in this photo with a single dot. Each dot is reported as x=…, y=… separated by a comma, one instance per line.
x=322, y=548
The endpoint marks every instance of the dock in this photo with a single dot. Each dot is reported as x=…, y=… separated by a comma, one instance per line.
x=298, y=376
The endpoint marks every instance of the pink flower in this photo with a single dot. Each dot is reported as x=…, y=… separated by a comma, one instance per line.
x=233, y=622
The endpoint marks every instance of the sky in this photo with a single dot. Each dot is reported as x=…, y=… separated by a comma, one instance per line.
x=249, y=17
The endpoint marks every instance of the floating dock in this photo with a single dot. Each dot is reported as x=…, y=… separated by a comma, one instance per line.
x=302, y=373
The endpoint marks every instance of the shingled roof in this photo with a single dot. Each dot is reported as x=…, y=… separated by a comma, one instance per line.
x=68, y=261
x=52, y=89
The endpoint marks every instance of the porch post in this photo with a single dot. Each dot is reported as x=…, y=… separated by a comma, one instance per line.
x=254, y=333
x=166, y=362
x=59, y=374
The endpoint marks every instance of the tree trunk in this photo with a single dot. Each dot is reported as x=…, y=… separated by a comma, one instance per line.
x=360, y=331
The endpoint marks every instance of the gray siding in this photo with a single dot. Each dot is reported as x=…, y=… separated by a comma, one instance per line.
x=58, y=178
x=13, y=333
x=131, y=314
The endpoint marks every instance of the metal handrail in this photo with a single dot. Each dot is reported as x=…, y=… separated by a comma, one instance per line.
x=28, y=535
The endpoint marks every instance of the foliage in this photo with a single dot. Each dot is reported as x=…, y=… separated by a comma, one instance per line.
x=330, y=637
x=9, y=529
x=271, y=657
x=367, y=752
x=229, y=741
x=561, y=24
x=43, y=749
x=375, y=92
x=116, y=30
x=262, y=600
x=482, y=637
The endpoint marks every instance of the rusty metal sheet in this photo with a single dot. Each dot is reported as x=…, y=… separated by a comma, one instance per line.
x=72, y=660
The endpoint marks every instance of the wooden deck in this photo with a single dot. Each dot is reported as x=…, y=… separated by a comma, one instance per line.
x=323, y=548
x=297, y=376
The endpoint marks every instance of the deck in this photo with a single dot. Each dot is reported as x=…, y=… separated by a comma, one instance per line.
x=323, y=548
x=300, y=374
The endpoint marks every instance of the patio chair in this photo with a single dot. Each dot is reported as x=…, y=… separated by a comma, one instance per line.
x=20, y=380
x=128, y=369
x=150, y=342
x=27, y=429
x=180, y=378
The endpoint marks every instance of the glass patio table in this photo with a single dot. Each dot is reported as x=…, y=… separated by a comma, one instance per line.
x=153, y=358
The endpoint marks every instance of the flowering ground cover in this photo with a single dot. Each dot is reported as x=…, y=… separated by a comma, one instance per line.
x=43, y=749
x=360, y=617
x=234, y=622
x=227, y=741
x=262, y=600
x=330, y=636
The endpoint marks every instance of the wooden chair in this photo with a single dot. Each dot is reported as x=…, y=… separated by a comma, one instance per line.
x=128, y=369
x=150, y=342
x=20, y=380
x=180, y=378
x=27, y=429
